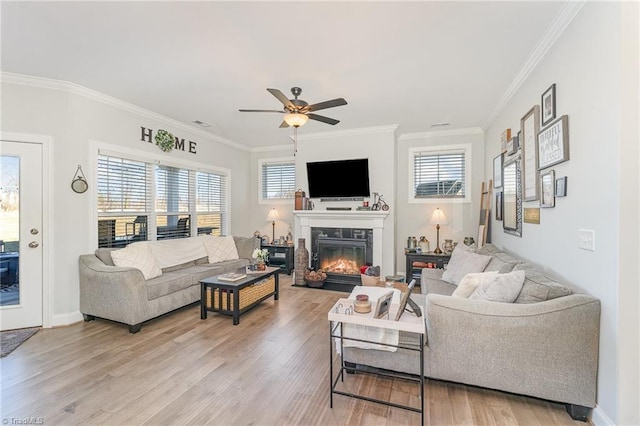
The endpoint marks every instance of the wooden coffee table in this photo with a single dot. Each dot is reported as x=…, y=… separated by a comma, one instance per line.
x=236, y=298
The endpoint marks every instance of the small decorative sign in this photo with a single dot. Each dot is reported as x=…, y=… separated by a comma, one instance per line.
x=504, y=139
x=532, y=215
x=553, y=143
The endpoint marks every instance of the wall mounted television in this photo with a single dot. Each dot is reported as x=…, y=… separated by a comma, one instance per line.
x=340, y=179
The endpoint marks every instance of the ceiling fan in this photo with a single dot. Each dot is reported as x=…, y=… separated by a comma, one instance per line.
x=297, y=111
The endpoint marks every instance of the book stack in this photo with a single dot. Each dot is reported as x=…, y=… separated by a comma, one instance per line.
x=231, y=276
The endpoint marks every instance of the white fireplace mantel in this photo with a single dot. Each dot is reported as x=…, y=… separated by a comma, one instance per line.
x=304, y=220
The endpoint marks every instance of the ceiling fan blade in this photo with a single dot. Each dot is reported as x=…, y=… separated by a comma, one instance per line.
x=324, y=119
x=260, y=110
x=282, y=98
x=327, y=104
x=283, y=125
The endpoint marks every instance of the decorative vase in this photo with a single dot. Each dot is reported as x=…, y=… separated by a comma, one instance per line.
x=261, y=266
x=301, y=262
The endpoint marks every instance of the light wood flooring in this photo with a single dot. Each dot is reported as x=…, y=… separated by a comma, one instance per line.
x=271, y=369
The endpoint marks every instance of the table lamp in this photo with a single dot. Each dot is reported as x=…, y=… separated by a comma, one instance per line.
x=438, y=218
x=272, y=217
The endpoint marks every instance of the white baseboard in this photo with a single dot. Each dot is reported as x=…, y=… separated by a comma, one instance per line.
x=600, y=418
x=59, y=320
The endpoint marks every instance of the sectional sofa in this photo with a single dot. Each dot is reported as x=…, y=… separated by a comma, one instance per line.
x=542, y=344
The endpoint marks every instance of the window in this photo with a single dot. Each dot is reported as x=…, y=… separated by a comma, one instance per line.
x=139, y=200
x=277, y=180
x=439, y=173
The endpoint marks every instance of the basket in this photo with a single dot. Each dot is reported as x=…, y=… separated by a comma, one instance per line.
x=315, y=284
x=248, y=295
x=369, y=280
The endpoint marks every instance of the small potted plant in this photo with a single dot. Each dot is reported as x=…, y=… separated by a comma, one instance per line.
x=261, y=256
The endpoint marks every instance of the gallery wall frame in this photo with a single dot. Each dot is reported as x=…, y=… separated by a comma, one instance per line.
x=548, y=189
x=529, y=128
x=548, y=105
x=497, y=171
x=553, y=143
x=499, y=205
x=561, y=186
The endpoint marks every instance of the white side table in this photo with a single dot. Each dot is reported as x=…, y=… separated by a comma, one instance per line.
x=408, y=323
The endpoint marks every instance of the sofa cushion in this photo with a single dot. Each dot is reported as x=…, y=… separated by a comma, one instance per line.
x=246, y=245
x=470, y=282
x=463, y=262
x=500, y=287
x=168, y=283
x=220, y=248
x=139, y=256
x=538, y=288
x=104, y=254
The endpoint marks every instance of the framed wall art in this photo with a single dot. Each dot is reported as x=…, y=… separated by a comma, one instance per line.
x=548, y=103
x=499, y=206
x=548, y=189
x=497, y=171
x=553, y=143
x=561, y=187
x=529, y=128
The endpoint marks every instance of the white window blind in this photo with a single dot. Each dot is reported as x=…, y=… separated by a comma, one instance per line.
x=278, y=180
x=439, y=174
x=122, y=185
x=211, y=202
x=172, y=189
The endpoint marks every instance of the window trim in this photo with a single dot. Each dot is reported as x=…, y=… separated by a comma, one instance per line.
x=261, y=162
x=104, y=148
x=437, y=149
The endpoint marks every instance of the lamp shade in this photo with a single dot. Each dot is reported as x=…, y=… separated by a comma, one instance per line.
x=295, y=119
x=273, y=215
x=438, y=218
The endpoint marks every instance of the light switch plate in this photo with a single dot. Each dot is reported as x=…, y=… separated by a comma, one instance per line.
x=586, y=239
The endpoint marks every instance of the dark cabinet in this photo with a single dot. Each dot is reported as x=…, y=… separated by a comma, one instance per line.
x=416, y=262
x=280, y=256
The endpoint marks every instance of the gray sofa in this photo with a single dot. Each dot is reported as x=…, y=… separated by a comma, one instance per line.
x=544, y=345
x=123, y=294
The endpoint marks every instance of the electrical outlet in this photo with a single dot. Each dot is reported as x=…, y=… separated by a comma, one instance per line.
x=586, y=239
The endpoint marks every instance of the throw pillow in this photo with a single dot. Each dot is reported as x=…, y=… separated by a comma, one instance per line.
x=139, y=256
x=470, y=282
x=464, y=262
x=220, y=249
x=502, y=288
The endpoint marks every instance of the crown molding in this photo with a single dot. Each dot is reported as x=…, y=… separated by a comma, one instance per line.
x=76, y=89
x=441, y=133
x=349, y=132
x=562, y=20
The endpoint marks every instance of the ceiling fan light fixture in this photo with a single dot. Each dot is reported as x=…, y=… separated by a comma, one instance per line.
x=295, y=119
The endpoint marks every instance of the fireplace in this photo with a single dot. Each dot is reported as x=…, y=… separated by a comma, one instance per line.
x=340, y=252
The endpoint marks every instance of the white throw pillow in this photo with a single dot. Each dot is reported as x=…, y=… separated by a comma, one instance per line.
x=502, y=288
x=470, y=282
x=220, y=249
x=139, y=256
x=464, y=262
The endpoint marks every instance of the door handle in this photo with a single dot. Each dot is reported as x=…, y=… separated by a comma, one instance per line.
x=33, y=244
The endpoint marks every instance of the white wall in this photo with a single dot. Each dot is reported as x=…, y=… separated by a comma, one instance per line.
x=413, y=218
x=584, y=64
x=74, y=117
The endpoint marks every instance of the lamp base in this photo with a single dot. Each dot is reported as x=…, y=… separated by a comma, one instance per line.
x=437, y=250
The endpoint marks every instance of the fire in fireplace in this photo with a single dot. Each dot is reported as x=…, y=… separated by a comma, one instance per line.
x=340, y=252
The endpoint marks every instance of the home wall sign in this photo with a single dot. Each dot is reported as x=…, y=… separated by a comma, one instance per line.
x=162, y=137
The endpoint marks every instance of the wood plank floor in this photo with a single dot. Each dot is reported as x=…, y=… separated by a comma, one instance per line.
x=271, y=369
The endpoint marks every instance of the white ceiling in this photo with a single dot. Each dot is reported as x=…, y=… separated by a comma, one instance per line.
x=406, y=63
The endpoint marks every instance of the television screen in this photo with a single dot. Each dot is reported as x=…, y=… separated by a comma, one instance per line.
x=339, y=179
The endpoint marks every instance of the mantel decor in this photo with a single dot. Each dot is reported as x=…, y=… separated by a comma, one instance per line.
x=553, y=143
x=530, y=126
